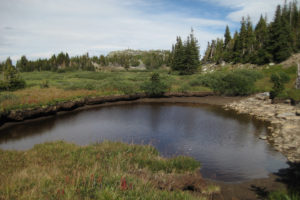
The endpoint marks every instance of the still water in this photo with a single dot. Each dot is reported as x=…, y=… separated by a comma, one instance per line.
x=225, y=143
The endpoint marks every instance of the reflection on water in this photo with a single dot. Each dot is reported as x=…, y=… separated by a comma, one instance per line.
x=225, y=143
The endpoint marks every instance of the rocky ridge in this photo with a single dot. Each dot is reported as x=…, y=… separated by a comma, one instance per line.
x=284, y=120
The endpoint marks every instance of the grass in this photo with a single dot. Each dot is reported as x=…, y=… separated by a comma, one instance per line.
x=48, y=88
x=108, y=170
x=282, y=195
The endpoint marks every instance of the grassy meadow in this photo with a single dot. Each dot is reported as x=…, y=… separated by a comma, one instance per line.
x=60, y=170
x=48, y=88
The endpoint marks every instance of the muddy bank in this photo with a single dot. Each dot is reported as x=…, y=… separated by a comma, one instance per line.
x=250, y=190
x=284, y=120
x=33, y=113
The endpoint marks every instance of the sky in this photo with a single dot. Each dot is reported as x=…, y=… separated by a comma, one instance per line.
x=40, y=28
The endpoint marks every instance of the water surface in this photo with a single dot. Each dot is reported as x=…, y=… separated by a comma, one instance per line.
x=225, y=143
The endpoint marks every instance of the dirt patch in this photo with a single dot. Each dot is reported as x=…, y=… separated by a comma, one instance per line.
x=211, y=100
x=251, y=190
x=293, y=60
x=191, y=182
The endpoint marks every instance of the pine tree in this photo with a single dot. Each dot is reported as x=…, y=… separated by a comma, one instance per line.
x=280, y=40
x=261, y=33
x=250, y=40
x=207, y=53
x=241, y=44
x=178, y=55
x=192, y=60
x=227, y=37
x=22, y=64
x=186, y=56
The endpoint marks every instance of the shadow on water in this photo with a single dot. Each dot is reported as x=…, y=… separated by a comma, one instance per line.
x=289, y=177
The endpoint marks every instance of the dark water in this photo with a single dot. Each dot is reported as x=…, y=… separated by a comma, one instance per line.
x=225, y=143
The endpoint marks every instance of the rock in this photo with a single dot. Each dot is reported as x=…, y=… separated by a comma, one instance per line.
x=288, y=101
x=297, y=112
x=263, y=137
x=285, y=115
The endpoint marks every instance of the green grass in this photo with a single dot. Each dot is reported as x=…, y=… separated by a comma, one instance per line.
x=108, y=170
x=281, y=195
x=265, y=84
x=80, y=84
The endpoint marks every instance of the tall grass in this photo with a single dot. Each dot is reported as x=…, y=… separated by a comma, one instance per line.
x=108, y=170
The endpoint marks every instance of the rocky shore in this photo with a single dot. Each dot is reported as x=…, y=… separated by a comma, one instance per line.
x=284, y=120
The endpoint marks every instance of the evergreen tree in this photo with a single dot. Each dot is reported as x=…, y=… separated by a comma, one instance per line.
x=186, y=56
x=178, y=55
x=227, y=37
x=261, y=33
x=206, y=58
x=250, y=40
x=22, y=64
x=192, y=60
x=280, y=41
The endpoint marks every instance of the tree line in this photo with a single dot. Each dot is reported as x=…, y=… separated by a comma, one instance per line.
x=129, y=58
x=266, y=42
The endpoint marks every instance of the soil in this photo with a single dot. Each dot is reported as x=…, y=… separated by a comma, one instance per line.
x=251, y=190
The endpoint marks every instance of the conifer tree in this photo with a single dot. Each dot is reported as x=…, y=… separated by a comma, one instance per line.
x=227, y=37
x=191, y=54
x=280, y=41
x=22, y=64
x=186, y=56
x=178, y=55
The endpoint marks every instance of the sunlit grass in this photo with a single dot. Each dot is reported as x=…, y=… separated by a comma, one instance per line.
x=108, y=170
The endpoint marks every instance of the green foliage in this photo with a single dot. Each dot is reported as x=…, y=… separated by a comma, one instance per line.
x=274, y=42
x=154, y=87
x=185, y=57
x=10, y=78
x=44, y=84
x=278, y=195
x=178, y=164
x=232, y=83
x=278, y=80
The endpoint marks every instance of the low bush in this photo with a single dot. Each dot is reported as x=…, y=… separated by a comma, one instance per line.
x=44, y=84
x=232, y=83
x=154, y=87
x=278, y=79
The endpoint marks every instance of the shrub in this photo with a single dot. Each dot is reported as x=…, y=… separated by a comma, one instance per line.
x=278, y=79
x=154, y=87
x=44, y=84
x=233, y=83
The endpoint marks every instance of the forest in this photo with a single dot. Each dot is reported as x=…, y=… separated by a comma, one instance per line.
x=266, y=42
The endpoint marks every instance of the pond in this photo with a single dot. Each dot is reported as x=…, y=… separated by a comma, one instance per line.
x=225, y=143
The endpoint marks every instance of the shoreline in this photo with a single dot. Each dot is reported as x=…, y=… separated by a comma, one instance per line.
x=16, y=116
x=284, y=123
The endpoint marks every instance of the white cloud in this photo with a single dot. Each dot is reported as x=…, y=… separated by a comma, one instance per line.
x=253, y=8
x=43, y=27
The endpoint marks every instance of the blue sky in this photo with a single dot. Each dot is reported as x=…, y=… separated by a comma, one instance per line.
x=40, y=28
